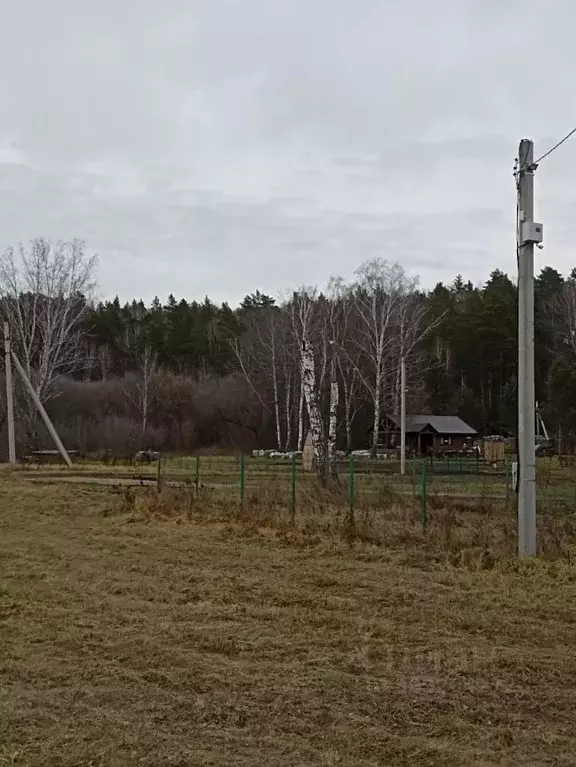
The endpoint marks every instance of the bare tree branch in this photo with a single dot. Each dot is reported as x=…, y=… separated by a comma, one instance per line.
x=45, y=294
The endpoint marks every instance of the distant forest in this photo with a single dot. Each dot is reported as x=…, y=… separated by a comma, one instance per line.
x=186, y=375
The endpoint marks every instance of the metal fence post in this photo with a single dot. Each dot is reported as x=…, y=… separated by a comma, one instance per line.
x=160, y=478
x=293, y=488
x=424, y=494
x=352, y=488
x=242, y=478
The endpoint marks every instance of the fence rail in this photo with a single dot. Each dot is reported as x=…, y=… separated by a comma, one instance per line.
x=372, y=482
x=362, y=482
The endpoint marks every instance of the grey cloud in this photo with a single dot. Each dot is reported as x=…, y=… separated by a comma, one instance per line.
x=216, y=146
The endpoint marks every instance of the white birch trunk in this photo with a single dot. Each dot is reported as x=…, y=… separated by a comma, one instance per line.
x=314, y=415
x=288, y=414
x=148, y=369
x=348, y=389
x=333, y=422
x=397, y=390
x=377, y=411
x=300, y=445
x=347, y=414
x=276, y=402
x=348, y=417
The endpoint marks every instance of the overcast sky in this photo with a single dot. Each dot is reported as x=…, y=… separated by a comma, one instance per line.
x=219, y=146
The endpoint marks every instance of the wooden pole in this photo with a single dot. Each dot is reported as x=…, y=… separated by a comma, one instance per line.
x=43, y=413
x=9, y=396
x=403, y=416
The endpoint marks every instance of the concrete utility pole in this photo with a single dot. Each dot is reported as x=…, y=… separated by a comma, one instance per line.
x=528, y=234
x=9, y=396
x=402, y=416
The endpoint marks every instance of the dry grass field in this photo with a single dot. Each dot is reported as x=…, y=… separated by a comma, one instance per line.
x=176, y=631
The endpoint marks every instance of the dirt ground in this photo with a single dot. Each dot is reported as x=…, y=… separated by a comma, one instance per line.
x=132, y=641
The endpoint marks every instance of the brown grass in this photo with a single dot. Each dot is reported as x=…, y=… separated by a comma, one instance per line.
x=177, y=631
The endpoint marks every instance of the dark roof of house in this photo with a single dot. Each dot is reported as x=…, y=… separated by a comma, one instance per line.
x=442, y=424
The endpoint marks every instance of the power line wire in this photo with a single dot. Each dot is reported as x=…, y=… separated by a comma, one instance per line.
x=522, y=167
x=519, y=168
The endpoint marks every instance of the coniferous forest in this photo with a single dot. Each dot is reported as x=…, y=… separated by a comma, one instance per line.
x=184, y=375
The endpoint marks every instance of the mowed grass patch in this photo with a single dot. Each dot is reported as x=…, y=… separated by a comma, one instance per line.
x=169, y=636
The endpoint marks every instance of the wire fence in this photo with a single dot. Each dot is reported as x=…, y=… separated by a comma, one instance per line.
x=373, y=483
x=362, y=482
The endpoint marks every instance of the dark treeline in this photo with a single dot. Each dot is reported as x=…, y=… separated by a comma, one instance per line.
x=187, y=375
x=209, y=370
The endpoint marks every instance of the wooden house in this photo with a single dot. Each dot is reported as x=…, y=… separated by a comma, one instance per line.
x=426, y=434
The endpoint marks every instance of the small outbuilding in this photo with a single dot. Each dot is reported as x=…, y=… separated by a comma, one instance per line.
x=427, y=434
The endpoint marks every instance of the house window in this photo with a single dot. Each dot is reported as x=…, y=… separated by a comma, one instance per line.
x=446, y=441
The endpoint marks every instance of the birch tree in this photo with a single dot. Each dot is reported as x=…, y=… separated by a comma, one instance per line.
x=292, y=385
x=147, y=369
x=333, y=416
x=345, y=353
x=45, y=295
x=262, y=359
x=300, y=439
x=142, y=358
x=380, y=290
x=414, y=322
x=562, y=316
x=313, y=406
x=302, y=309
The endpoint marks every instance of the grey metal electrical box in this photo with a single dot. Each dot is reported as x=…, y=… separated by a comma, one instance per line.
x=532, y=232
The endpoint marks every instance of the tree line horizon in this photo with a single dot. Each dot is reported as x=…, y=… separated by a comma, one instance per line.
x=185, y=375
